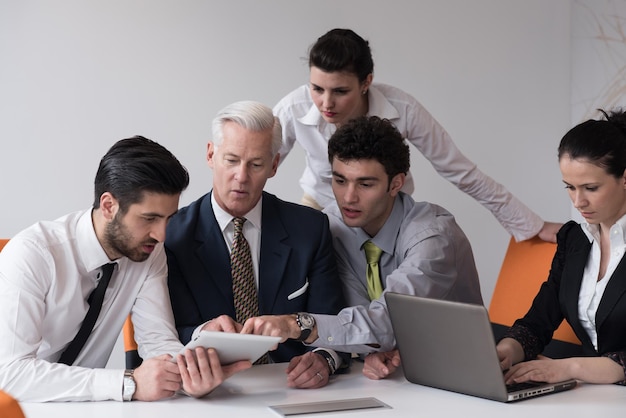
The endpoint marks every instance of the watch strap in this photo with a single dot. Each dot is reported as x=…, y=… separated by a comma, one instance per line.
x=305, y=330
x=330, y=359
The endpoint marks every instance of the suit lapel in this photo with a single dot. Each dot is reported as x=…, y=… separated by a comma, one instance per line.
x=614, y=291
x=212, y=252
x=578, y=253
x=274, y=254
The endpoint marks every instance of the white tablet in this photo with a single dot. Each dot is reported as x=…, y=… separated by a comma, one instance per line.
x=232, y=347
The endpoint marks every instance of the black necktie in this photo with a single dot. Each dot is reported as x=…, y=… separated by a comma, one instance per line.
x=95, y=304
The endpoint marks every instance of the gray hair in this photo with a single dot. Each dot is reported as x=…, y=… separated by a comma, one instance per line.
x=250, y=115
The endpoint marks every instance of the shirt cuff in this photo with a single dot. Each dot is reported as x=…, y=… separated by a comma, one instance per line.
x=196, y=331
x=108, y=384
x=337, y=361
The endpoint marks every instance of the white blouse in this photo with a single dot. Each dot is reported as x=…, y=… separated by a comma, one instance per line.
x=592, y=288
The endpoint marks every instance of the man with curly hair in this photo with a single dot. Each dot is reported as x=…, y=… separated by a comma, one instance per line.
x=420, y=250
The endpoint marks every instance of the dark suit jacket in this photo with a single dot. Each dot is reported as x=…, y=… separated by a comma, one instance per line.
x=296, y=247
x=558, y=298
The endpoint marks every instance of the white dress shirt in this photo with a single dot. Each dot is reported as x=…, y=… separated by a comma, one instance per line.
x=592, y=287
x=251, y=230
x=301, y=121
x=47, y=273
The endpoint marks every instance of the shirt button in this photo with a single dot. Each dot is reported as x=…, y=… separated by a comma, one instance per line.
x=330, y=338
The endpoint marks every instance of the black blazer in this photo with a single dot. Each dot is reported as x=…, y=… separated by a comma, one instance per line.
x=558, y=298
x=296, y=252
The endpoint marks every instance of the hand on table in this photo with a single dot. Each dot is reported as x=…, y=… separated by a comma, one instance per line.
x=380, y=365
x=157, y=378
x=308, y=371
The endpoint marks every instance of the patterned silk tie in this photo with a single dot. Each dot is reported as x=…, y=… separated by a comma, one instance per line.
x=372, y=255
x=244, y=289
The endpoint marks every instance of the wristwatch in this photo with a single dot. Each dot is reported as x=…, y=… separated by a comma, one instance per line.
x=130, y=386
x=306, y=322
x=332, y=364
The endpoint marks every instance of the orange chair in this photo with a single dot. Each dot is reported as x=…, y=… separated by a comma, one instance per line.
x=525, y=267
x=130, y=345
x=9, y=407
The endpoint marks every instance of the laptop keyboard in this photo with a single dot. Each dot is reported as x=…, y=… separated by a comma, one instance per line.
x=514, y=387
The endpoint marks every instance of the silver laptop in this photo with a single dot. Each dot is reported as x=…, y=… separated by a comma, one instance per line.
x=450, y=345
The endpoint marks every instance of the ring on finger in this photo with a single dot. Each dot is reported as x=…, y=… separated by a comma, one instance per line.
x=320, y=376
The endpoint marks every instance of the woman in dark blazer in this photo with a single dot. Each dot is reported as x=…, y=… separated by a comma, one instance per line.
x=587, y=281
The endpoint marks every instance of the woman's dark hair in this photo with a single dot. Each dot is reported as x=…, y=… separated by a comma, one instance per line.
x=601, y=142
x=342, y=50
x=136, y=165
x=371, y=138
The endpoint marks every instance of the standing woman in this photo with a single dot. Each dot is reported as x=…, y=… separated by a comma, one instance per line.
x=340, y=89
x=587, y=281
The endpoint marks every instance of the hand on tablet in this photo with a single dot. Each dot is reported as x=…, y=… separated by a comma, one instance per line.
x=308, y=371
x=283, y=326
x=201, y=371
x=222, y=323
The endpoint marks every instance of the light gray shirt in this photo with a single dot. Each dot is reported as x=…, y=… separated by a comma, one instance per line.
x=425, y=253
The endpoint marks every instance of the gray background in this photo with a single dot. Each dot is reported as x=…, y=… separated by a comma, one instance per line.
x=76, y=76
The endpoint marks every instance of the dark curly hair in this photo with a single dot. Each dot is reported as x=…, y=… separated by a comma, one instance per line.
x=371, y=138
x=601, y=142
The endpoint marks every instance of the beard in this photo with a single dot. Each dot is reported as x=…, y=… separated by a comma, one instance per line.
x=119, y=239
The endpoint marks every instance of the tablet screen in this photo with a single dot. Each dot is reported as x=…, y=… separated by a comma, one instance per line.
x=232, y=347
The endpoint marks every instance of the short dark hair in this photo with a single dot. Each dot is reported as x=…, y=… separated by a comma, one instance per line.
x=601, y=142
x=371, y=138
x=136, y=165
x=342, y=50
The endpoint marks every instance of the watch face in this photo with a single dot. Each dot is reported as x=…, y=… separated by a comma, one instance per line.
x=129, y=387
x=306, y=321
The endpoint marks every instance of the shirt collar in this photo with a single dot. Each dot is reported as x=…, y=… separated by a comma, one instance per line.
x=312, y=117
x=91, y=251
x=378, y=106
x=592, y=231
x=385, y=239
x=224, y=218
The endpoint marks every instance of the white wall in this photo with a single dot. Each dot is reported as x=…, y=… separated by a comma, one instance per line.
x=76, y=76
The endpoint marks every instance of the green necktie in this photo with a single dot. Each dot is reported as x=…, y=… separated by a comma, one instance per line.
x=372, y=255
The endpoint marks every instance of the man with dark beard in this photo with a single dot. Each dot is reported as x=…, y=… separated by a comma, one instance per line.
x=48, y=274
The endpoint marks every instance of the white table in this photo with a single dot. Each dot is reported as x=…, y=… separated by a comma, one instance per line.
x=249, y=394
